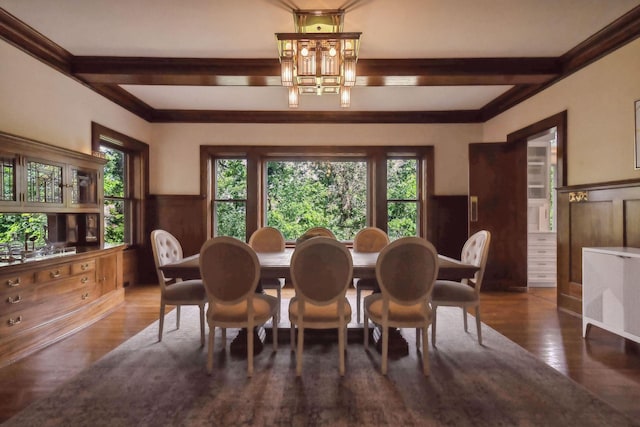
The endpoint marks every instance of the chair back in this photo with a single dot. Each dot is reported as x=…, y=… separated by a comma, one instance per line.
x=267, y=239
x=370, y=239
x=318, y=231
x=406, y=270
x=166, y=249
x=229, y=269
x=321, y=270
x=476, y=251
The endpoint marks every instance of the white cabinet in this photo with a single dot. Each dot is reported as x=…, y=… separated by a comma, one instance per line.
x=541, y=259
x=538, y=171
x=611, y=290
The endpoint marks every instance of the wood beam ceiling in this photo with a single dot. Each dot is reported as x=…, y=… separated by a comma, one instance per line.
x=266, y=72
x=528, y=76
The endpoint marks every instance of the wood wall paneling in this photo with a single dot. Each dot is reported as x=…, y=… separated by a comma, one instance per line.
x=450, y=219
x=632, y=223
x=181, y=215
x=130, y=261
x=592, y=215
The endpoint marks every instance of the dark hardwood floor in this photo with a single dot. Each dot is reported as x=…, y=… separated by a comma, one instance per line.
x=605, y=364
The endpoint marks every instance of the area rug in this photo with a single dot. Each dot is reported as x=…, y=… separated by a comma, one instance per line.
x=148, y=383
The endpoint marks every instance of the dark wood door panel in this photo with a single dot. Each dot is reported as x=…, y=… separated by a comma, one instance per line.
x=497, y=179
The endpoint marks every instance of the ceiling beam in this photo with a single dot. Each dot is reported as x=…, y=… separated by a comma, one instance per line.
x=266, y=72
x=229, y=116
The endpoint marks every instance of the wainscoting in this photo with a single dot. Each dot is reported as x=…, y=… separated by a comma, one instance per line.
x=604, y=214
x=181, y=215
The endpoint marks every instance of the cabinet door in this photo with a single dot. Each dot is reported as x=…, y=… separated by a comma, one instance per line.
x=108, y=277
x=9, y=185
x=44, y=183
x=83, y=187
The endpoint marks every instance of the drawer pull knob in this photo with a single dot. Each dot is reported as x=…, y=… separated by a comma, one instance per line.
x=13, y=322
x=85, y=295
x=14, y=300
x=84, y=267
x=84, y=280
x=13, y=283
x=54, y=274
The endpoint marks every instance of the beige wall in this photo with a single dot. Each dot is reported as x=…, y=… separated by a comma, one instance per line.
x=178, y=144
x=599, y=100
x=38, y=102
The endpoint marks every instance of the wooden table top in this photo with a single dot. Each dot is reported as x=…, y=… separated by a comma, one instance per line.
x=276, y=264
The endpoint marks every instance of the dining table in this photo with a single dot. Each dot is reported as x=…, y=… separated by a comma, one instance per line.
x=276, y=265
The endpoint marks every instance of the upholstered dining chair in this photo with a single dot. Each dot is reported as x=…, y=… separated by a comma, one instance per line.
x=174, y=291
x=369, y=239
x=230, y=271
x=269, y=239
x=406, y=270
x=319, y=231
x=321, y=272
x=464, y=294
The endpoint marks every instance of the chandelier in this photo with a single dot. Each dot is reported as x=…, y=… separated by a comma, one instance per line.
x=318, y=58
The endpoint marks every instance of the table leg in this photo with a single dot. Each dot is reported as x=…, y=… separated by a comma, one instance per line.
x=238, y=346
x=398, y=346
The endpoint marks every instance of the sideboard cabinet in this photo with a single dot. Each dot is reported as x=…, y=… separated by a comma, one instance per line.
x=37, y=177
x=45, y=300
x=611, y=291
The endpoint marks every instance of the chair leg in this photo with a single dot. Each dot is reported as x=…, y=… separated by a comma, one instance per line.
x=418, y=331
x=177, y=317
x=249, y=351
x=479, y=324
x=366, y=332
x=434, y=317
x=299, y=352
x=341, y=348
x=425, y=352
x=162, y=305
x=464, y=316
x=212, y=335
x=202, y=324
x=274, y=330
x=385, y=348
x=292, y=337
x=358, y=295
x=279, y=297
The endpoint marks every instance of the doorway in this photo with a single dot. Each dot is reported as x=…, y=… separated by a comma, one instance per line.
x=542, y=172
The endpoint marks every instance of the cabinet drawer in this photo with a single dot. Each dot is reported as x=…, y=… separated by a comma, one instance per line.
x=83, y=267
x=10, y=283
x=542, y=238
x=53, y=273
x=542, y=265
x=42, y=311
x=539, y=276
x=42, y=293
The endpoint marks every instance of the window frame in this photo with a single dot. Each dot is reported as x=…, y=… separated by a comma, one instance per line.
x=137, y=176
x=376, y=157
x=214, y=197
